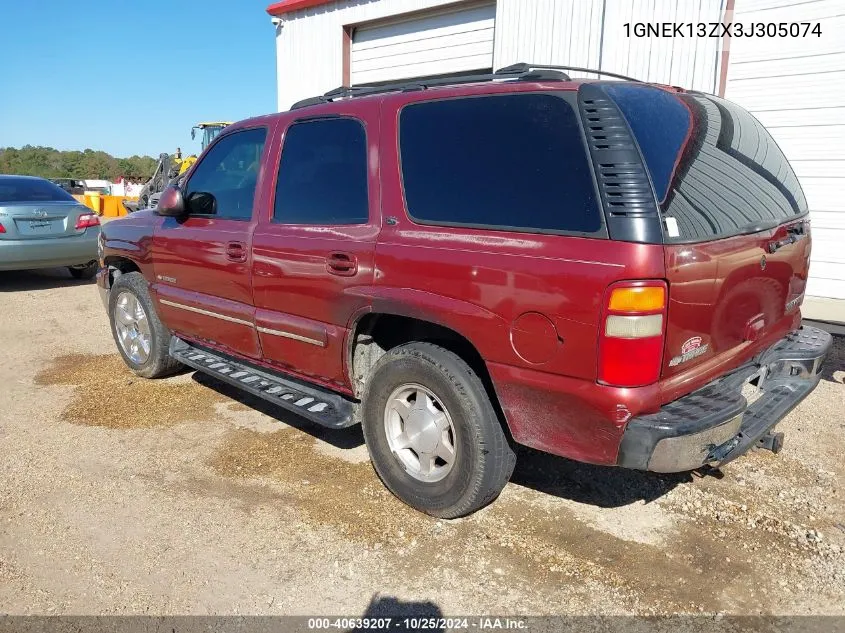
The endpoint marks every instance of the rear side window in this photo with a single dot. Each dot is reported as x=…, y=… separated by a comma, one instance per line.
x=32, y=190
x=323, y=174
x=716, y=171
x=514, y=162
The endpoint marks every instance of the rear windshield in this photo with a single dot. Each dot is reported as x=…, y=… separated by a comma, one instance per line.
x=31, y=190
x=716, y=171
x=514, y=162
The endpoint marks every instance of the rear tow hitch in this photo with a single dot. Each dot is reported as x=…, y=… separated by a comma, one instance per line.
x=771, y=442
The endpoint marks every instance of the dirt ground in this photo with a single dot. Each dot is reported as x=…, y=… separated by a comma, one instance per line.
x=120, y=495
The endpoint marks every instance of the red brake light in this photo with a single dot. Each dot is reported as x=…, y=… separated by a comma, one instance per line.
x=632, y=330
x=85, y=220
x=2, y=229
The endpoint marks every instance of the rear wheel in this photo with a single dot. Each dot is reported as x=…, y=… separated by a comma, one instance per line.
x=433, y=435
x=141, y=338
x=83, y=271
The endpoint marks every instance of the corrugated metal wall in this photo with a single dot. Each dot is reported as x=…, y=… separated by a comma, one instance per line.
x=592, y=33
x=309, y=45
x=796, y=87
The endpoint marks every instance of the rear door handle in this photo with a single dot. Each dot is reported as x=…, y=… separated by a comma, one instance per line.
x=236, y=251
x=344, y=264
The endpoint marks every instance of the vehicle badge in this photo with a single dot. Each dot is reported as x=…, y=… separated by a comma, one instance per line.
x=763, y=263
x=691, y=344
x=692, y=348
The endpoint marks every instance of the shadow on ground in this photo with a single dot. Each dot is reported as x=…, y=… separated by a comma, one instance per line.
x=600, y=486
x=383, y=607
x=22, y=280
x=348, y=438
x=835, y=361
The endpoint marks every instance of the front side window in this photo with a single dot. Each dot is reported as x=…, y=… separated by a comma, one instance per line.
x=323, y=174
x=223, y=184
x=515, y=162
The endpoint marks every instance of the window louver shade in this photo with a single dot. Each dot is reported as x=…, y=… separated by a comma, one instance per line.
x=624, y=187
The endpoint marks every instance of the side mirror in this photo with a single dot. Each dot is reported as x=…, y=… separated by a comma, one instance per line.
x=201, y=203
x=171, y=203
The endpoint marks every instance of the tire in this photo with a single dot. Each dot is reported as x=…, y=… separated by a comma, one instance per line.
x=86, y=271
x=482, y=459
x=156, y=362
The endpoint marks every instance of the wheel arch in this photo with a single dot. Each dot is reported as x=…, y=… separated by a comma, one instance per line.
x=119, y=265
x=373, y=333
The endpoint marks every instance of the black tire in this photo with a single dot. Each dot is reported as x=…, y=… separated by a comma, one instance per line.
x=484, y=460
x=83, y=272
x=159, y=363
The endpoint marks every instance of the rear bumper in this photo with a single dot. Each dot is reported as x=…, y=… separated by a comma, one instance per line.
x=715, y=424
x=49, y=252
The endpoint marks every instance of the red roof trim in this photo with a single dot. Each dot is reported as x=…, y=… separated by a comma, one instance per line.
x=287, y=6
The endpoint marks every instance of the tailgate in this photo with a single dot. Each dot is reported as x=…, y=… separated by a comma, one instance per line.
x=731, y=297
x=735, y=231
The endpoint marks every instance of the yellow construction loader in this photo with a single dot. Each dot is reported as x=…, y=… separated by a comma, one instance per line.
x=171, y=167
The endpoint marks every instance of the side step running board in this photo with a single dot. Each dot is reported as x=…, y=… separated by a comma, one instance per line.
x=322, y=407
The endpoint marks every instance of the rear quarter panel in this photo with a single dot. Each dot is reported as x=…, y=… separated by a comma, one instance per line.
x=530, y=304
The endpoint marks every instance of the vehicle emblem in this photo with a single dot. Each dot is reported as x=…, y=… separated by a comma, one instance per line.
x=763, y=263
x=691, y=344
x=41, y=213
x=692, y=348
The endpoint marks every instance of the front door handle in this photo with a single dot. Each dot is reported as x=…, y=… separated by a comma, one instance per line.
x=344, y=264
x=236, y=251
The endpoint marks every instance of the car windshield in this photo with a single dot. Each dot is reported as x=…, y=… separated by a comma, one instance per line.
x=31, y=190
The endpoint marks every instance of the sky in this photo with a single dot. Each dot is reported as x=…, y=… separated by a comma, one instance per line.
x=131, y=77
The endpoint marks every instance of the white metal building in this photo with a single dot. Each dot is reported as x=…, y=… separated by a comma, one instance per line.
x=794, y=85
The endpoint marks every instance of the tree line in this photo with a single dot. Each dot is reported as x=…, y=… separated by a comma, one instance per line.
x=89, y=164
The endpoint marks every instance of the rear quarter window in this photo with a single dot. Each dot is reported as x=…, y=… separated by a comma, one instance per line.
x=513, y=162
x=715, y=169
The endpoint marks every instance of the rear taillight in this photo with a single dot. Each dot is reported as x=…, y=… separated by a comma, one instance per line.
x=87, y=219
x=2, y=229
x=631, y=337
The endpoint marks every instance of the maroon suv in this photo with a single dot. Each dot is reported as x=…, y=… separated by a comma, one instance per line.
x=610, y=271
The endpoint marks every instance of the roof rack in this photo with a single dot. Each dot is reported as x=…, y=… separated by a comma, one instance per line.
x=519, y=72
x=524, y=68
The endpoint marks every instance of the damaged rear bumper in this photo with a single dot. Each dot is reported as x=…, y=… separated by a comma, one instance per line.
x=717, y=423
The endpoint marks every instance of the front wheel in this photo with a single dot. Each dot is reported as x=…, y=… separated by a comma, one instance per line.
x=141, y=338
x=433, y=435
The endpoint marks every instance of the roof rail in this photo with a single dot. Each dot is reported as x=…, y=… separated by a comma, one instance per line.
x=522, y=67
x=519, y=72
x=422, y=84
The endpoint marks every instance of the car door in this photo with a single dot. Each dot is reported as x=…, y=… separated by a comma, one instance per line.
x=202, y=260
x=315, y=246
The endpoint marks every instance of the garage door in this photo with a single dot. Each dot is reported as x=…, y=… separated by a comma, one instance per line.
x=440, y=43
x=796, y=87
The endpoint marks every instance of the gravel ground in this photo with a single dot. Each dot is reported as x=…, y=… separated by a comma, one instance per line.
x=120, y=495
